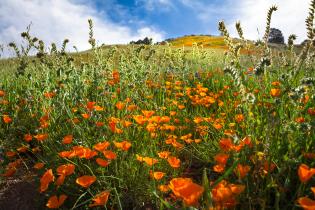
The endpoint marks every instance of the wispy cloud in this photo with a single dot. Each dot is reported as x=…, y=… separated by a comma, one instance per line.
x=289, y=18
x=55, y=20
x=155, y=5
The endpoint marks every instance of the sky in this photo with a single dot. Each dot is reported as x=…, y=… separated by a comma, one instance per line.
x=121, y=21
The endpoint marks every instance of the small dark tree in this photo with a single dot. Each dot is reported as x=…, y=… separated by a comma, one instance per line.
x=145, y=41
x=275, y=36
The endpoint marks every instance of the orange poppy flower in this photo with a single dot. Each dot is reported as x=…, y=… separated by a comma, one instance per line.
x=186, y=189
x=306, y=203
x=120, y=105
x=102, y=146
x=174, y=162
x=67, y=139
x=46, y=179
x=41, y=137
x=242, y=170
x=100, y=199
x=38, y=166
x=275, y=92
x=139, y=119
x=221, y=158
x=90, y=105
x=7, y=119
x=156, y=175
x=124, y=145
x=132, y=107
x=28, y=137
x=99, y=124
x=164, y=154
x=150, y=161
x=311, y=111
x=102, y=162
x=10, y=154
x=2, y=93
x=219, y=168
x=116, y=76
x=85, y=181
x=85, y=116
x=54, y=202
x=147, y=113
x=164, y=188
x=110, y=155
x=66, y=154
x=66, y=169
x=239, y=118
x=305, y=173
x=226, y=144
x=313, y=190
x=9, y=172
x=98, y=108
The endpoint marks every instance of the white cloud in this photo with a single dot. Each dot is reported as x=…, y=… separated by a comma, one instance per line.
x=55, y=20
x=289, y=18
x=155, y=5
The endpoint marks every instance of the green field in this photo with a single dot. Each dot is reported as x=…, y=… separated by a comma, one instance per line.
x=223, y=124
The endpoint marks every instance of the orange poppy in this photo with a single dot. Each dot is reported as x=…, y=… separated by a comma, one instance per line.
x=41, y=137
x=164, y=154
x=38, y=166
x=102, y=162
x=124, y=145
x=226, y=144
x=49, y=94
x=186, y=189
x=66, y=169
x=139, y=119
x=126, y=123
x=102, y=146
x=239, y=118
x=54, y=202
x=242, y=170
x=305, y=173
x=306, y=203
x=174, y=162
x=275, y=92
x=9, y=172
x=120, y=105
x=150, y=161
x=109, y=154
x=66, y=154
x=67, y=139
x=85, y=181
x=147, y=114
x=158, y=175
x=100, y=199
x=221, y=158
x=2, y=93
x=164, y=188
x=219, y=168
x=10, y=154
x=7, y=119
x=28, y=137
x=99, y=124
x=85, y=116
x=90, y=105
x=46, y=179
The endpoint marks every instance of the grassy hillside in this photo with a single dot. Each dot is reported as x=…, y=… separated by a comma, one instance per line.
x=161, y=127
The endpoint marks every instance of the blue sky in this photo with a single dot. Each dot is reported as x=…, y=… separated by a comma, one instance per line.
x=121, y=21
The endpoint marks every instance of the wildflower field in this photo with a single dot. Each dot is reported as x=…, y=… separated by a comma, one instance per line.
x=162, y=127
